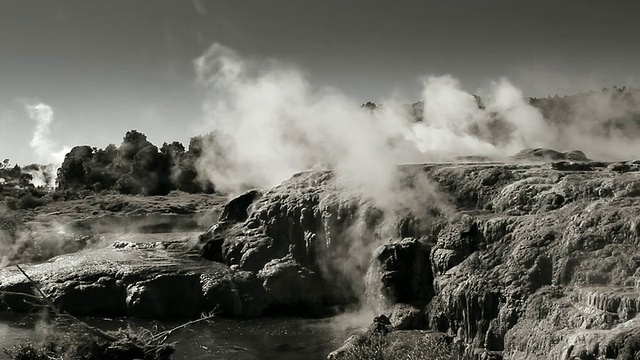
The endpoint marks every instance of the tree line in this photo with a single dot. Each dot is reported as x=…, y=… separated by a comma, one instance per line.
x=136, y=167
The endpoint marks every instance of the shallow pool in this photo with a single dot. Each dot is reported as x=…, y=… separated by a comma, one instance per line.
x=272, y=338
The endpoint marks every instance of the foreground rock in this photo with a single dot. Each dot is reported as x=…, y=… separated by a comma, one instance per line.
x=144, y=280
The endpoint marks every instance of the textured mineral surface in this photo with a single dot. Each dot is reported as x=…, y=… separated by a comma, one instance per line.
x=522, y=260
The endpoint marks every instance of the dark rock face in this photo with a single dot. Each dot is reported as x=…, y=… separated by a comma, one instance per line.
x=165, y=296
x=293, y=241
x=404, y=271
x=236, y=209
x=625, y=346
x=104, y=296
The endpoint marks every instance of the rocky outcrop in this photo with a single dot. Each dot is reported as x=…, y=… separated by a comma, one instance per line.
x=541, y=154
x=518, y=230
x=152, y=280
x=561, y=323
x=310, y=242
x=400, y=272
x=519, y=260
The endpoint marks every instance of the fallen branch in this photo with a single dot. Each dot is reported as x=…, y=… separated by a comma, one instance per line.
x=163, y=336
x=47, y=300
x=35, y=297
x=144, y=341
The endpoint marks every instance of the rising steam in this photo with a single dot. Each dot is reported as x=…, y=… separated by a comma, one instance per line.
x=45, y=149
x=274, y=123
x=278, y=124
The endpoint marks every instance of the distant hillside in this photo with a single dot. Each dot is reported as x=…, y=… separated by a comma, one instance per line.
x=611, y=113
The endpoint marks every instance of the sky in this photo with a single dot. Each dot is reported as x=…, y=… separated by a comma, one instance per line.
x=106, y=67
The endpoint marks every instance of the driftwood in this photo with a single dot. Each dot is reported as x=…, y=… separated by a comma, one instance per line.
x=142, y=341
x=163, y=336
x=93, y=330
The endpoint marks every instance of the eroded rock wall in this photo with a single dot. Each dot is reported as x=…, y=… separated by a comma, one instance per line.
x=520, y=261
x=508, y=272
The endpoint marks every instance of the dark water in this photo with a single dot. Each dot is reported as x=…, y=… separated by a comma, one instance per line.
x=276, y=338
x=145, y=224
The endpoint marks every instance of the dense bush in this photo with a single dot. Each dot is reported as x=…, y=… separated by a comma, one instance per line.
x=17, y=190
x=135, y=167
x=408, y=346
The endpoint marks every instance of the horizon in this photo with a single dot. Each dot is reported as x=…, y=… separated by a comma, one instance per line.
x=101, y=80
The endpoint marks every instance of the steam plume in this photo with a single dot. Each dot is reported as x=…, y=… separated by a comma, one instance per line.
x=274, y=123
x=278, y=124
x=41, y=143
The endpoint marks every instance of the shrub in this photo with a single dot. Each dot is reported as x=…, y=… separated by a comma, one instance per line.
x=430, y=346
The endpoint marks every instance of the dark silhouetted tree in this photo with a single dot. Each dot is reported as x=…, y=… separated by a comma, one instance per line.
x=136, y=167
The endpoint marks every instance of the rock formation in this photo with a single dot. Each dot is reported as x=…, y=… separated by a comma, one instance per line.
x=535, y=258
x=516, y=261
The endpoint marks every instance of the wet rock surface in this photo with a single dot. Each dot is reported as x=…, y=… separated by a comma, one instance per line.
x=515, y=261
x=150, y=280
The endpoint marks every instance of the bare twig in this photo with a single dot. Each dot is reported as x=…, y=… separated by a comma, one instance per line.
x=145, y=339
x=35, y=305
x=65, y=314
x=20, y=294
x=163, y=336
x=45, y=298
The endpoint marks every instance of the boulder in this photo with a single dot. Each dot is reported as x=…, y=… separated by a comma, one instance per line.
x=407, y=317
x=292, y=285
x=402, y=271
x=165, y=296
